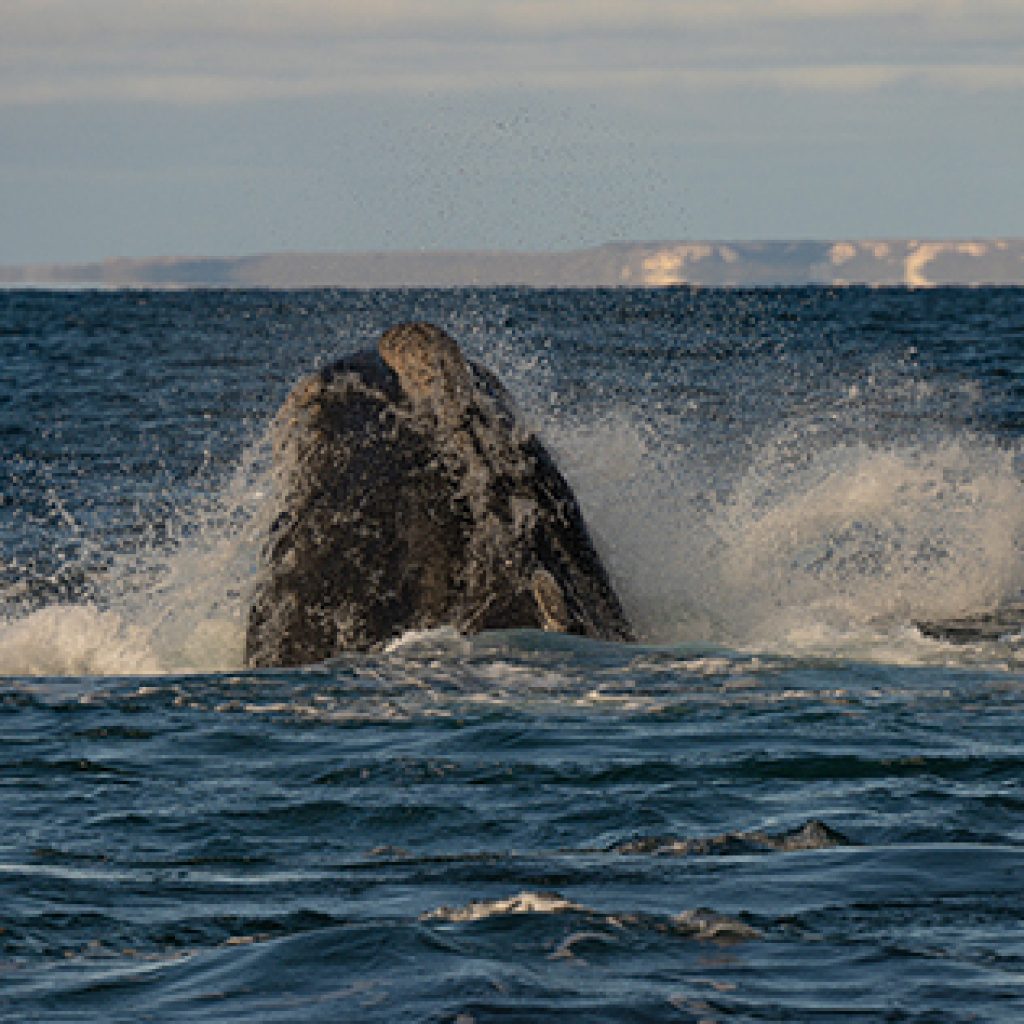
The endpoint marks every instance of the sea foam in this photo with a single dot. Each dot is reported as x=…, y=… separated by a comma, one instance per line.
x=804, y=545
x=168, y=606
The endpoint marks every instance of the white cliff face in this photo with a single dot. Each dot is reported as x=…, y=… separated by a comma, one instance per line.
x=910, y=262
x=668, y=266
x=921, y=254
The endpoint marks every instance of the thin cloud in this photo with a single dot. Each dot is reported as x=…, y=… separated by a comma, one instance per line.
x=216, y=51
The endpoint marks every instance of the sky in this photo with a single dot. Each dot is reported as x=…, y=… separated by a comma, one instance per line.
x=133, y=128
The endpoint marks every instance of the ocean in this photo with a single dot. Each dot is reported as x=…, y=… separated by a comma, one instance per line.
x=787, y=801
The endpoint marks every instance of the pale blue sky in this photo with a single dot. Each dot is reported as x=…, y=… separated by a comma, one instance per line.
x=137, y=128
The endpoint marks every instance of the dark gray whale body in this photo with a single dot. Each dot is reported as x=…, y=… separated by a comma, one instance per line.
x=411, y=497
x=996, y=624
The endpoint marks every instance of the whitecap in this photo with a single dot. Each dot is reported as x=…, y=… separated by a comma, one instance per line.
x=699, y=923
x=525, y=902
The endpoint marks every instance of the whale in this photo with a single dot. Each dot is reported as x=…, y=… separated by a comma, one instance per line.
x=410, y=495
x=1003, y=622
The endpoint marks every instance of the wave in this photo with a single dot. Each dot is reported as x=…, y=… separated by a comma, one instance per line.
x=523, y=903
x=812, y=835
x=699, y=923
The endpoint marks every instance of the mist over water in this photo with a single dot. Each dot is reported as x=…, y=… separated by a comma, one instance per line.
x=847, y=544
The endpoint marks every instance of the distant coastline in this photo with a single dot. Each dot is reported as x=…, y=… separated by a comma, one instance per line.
x=908, y=262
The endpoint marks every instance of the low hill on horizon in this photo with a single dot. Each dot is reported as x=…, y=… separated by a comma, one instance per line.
x=908, y=262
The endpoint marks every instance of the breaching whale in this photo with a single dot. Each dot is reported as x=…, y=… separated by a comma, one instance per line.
x=411, y=496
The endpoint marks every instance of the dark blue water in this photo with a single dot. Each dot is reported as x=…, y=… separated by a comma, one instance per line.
x=785, y=803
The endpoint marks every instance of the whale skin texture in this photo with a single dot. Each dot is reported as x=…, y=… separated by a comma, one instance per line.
x=408, y=496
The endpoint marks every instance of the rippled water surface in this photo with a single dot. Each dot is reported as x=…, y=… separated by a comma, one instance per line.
x=785, y=803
